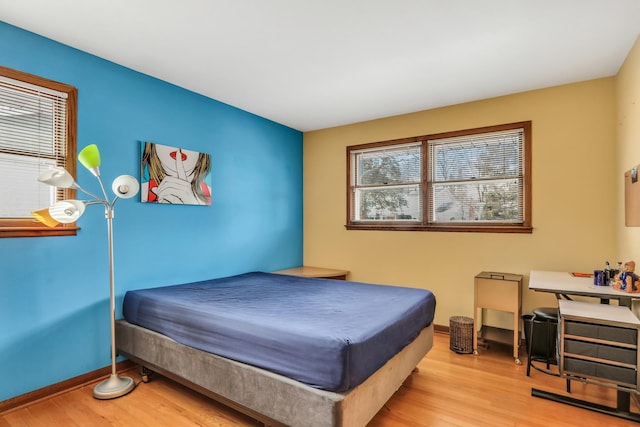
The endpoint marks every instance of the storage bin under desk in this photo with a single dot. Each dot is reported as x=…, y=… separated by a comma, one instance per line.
x=600, y=343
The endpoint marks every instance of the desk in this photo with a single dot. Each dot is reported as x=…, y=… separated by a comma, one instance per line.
x=562, y=283
x=599, y=345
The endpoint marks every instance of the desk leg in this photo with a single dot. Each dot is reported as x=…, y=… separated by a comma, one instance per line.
x=623, y=401
x=621, y=411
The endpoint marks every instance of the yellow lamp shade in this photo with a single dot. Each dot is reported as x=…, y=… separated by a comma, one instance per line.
x=44, y=217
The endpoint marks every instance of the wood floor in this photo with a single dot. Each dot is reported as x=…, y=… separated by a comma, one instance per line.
x=449, y=389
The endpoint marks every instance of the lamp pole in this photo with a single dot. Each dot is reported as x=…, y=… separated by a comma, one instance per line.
x=115, y=385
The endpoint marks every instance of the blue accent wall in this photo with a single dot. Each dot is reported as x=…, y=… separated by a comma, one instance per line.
x=54, y=291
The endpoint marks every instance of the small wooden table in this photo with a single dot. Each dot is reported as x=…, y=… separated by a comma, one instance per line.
x=317, y=272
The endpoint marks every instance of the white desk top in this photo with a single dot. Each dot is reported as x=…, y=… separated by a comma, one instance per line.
x=612, y=313
x=562, y=282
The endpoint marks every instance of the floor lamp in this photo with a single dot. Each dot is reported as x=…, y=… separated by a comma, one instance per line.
x=68, y=211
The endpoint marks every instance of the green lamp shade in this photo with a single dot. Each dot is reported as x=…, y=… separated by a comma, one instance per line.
x=44, y=217
x=90, y=157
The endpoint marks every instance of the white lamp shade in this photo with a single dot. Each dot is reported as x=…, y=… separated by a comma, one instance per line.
x=57, y=177
x=125, y=186
x=67, y=211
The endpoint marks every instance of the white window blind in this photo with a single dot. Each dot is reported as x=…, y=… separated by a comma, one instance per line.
x=33, y=138
x=386, y=183
x=477, y=178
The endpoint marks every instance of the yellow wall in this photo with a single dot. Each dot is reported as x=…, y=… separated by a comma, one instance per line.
x=628, y=137
x=575, y=195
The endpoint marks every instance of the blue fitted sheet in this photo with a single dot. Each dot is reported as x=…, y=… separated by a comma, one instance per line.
x=329, y=334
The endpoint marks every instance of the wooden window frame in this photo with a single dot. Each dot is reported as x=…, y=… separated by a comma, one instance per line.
x=424, y=225
x=29, y=227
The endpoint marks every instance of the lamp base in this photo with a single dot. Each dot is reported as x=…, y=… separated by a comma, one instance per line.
x=112, y=387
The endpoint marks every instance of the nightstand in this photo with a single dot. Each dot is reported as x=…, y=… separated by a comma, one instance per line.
x=317, y=272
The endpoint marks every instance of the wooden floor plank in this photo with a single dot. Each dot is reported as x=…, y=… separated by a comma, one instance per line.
x=25, y=419
x=200, y=407
x=49, y=412
x=448, y=390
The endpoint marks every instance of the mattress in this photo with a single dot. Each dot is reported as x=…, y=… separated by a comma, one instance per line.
x=326, y=333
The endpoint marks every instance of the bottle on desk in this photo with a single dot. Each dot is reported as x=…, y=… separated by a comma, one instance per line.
x=608, y=273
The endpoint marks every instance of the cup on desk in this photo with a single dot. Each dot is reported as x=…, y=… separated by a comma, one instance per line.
x=599, y=278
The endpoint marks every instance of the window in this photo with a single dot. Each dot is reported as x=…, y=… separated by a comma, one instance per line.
x=471, y=180
x=37, y=133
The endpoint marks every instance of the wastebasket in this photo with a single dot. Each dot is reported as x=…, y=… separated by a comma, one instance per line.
x=461, y=334
x=541, y=344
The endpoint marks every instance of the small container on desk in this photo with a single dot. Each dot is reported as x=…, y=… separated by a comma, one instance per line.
x=503, y=292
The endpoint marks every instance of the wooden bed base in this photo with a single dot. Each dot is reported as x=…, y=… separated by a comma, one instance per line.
x=272, y=399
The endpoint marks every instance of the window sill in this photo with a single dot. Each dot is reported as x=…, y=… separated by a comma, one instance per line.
x=37, y=231
x=444, y=228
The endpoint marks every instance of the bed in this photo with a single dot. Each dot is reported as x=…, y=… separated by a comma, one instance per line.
x=286, y=350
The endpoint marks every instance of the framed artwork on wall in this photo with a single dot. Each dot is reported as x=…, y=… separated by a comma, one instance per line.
x=631, y=198
x=174, y=175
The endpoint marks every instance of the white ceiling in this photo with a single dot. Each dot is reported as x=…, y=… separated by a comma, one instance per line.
x=313, y=64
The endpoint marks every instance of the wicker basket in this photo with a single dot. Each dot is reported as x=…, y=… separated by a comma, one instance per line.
x=461, y=334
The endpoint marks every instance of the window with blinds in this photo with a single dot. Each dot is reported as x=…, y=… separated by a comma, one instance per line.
x=37, y=133
x=387, y=183
x=477, y=178
x=472, y=180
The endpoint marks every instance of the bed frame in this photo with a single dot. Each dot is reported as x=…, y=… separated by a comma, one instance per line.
x=270, y=398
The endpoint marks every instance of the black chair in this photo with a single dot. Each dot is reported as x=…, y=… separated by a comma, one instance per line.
x=541, y=334
x=541, y=330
